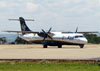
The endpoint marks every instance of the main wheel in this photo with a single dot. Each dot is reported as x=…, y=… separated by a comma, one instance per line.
x=59, y=46
x=44, y=46
x=81, y=46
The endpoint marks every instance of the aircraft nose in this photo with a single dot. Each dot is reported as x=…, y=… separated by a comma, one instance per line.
x=85, y=40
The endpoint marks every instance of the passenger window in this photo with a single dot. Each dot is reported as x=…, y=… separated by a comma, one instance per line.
x=70, y=37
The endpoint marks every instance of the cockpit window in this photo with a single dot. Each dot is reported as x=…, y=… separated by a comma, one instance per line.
x=78, y=36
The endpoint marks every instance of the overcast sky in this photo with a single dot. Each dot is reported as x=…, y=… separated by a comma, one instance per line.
x=62, y=15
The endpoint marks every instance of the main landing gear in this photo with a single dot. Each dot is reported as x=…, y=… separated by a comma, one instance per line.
x=46, y=46
x=60, y=46
x=81, y=46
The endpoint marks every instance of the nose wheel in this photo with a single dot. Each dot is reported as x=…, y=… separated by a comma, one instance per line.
x=59, y=46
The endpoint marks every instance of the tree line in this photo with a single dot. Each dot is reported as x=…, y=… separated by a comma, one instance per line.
x=92, y=38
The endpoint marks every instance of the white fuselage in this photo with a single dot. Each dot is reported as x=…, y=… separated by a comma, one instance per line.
x=74, y=38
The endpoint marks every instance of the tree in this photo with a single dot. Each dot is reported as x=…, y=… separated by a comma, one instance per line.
x=92, y=38
x=21, y=41
x=3, y=40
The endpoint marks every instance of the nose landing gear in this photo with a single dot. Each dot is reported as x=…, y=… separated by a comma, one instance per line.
x=59, y=46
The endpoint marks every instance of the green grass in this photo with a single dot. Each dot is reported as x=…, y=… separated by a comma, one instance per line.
x=48, y=66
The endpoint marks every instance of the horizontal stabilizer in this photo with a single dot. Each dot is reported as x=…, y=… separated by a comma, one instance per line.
x=19, y=20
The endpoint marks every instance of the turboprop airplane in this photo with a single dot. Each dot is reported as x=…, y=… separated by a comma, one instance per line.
x=50, y=38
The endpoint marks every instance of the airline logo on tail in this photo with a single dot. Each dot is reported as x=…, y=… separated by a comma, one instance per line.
x=23, y=27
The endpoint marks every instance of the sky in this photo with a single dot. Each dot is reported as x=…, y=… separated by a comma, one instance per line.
x=61, y=15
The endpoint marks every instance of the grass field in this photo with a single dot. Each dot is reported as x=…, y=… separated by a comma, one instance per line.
x=48, y=66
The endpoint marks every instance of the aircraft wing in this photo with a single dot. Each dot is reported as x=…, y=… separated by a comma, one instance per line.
x=21, y=32
x=88, y=32
x=39, y=33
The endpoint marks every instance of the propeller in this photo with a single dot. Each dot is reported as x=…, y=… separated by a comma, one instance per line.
x=76, y=30
x=49, y=30
x=46, y=34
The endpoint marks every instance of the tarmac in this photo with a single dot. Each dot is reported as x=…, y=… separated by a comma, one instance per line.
x=89, y=52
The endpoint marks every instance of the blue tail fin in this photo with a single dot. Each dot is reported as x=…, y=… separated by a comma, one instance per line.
x=23, y=25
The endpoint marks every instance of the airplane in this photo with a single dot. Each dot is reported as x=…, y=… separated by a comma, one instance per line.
x=50, y=38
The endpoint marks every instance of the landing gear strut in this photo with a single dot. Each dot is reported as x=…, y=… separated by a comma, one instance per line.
x=59, y=46
x=81, y=46
x=45, y=46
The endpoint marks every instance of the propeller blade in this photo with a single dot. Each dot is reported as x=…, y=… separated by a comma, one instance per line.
x=46, y=34
x=43, y=31
x=49, y=36
x=49, y=29
x=44, y=38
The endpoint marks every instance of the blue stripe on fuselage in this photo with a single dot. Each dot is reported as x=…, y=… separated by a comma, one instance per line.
x=54, y=43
